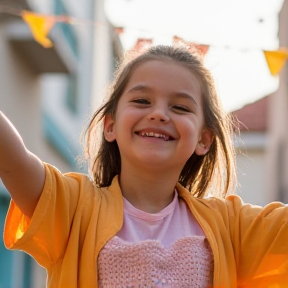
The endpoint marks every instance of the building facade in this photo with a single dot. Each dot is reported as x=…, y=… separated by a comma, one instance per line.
x=266, y=165
x=278, y=119
x=252, y=152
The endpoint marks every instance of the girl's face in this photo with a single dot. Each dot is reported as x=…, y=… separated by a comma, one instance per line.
x=159, y=120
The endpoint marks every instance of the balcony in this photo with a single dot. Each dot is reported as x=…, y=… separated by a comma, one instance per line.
x=61, y=58
x=11, y=5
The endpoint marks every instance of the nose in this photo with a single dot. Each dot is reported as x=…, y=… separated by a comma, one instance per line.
x=159, y=114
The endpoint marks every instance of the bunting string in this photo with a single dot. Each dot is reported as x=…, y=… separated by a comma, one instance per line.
x=41, y=24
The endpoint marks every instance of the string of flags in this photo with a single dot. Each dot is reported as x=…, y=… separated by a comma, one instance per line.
x=40, y=25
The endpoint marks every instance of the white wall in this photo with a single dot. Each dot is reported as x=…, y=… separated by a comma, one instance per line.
x=252, y=169
x=251, y=177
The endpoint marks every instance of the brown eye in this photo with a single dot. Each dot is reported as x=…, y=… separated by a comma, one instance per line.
x=141, y=101
x=181, y=108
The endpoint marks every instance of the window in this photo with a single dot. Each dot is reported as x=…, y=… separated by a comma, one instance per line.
x=66, y=28
x=72, y=92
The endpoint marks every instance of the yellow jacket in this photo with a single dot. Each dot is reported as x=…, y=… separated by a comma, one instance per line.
x=73, y=220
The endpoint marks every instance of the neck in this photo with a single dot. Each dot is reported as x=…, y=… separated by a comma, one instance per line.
x=148, y=191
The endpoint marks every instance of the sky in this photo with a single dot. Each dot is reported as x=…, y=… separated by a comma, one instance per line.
x=237, y=32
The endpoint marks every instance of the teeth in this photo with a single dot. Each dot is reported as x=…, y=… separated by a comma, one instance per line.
x=152, y=134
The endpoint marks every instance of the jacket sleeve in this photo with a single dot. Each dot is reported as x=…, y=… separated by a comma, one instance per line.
x=260, y=241
x=45, y=235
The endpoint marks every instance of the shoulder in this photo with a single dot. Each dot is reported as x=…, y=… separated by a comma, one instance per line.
x=211, y=203
x=53, y=173
x=80, y=185
x=232, y=205
x=72, y=190
x=241, y=217
x=231, y=202
x=72, y=180
x=235, y=203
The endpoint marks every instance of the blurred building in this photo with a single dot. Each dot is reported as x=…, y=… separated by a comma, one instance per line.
x=263, y=171
x=278, y=118
x=251, y=146
x=48, y=94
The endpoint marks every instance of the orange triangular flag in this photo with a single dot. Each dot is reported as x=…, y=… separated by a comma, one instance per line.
x=40, y=26
x=276, y=60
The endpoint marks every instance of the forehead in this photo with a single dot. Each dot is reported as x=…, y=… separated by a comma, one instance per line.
x=165, y=74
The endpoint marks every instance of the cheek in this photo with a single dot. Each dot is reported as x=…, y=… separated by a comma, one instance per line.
x=125, y=122
x=131, y=116
x=191, y=134
x=188, y=128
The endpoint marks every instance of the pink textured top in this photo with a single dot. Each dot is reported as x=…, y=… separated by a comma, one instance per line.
x=166, y=249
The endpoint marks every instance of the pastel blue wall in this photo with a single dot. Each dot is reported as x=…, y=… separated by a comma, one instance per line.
x=5, y=255
x=15, y=266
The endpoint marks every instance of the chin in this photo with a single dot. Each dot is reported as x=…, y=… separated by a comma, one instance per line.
x=154, y=162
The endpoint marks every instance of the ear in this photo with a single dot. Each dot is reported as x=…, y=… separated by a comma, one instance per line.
x=109, y=128
x=204, y=142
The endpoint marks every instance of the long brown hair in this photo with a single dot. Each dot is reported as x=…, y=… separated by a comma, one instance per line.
x=214, y=171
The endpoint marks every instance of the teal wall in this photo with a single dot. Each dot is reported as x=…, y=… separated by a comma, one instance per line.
x=6, y=256
x=13, y=271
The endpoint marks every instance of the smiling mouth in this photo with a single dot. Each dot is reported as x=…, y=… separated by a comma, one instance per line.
x=155, y=135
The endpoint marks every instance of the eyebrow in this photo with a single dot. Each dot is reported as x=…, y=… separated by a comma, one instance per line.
x=144, y=88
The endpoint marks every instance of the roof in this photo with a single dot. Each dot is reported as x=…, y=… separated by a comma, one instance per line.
x=253, y=117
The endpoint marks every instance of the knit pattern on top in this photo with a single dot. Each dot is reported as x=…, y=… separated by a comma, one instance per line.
x=188, y=262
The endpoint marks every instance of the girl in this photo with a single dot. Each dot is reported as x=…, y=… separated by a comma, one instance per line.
x=143, y=220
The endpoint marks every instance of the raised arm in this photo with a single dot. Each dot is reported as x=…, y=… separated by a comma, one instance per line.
x=21, y=171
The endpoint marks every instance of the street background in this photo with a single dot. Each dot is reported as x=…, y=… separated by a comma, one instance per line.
x=50, y=84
